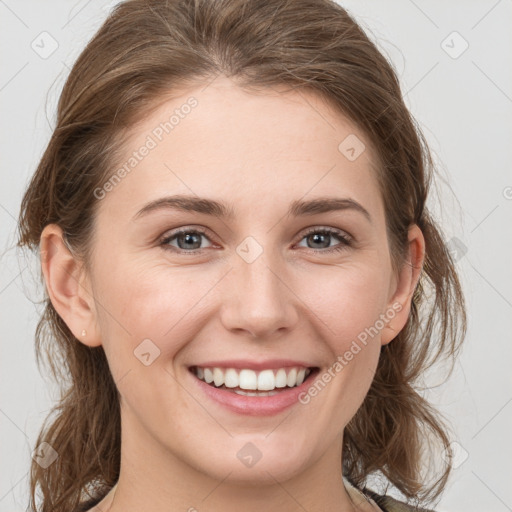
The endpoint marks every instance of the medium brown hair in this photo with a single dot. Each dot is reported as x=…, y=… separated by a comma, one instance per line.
x=144, y=51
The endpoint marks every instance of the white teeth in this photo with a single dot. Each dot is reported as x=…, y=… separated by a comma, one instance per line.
x=248, y=379
x=231, y=378
x=253, y=382
x=218, y=377
x=266, y=380
x=208, y=375
x=281, y=378
x=292, y=378
x=252, y=393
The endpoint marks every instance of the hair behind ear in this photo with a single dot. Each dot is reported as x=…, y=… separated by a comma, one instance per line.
x=393, y=424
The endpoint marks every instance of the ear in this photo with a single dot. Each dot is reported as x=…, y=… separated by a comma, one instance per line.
x=68, y=287
x=401, y=293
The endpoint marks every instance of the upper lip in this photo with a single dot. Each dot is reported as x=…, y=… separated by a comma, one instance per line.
x=269, y=364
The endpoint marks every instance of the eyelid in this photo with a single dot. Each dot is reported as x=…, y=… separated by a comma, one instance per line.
x=328, y=229
x=185, y=229
x=346, y=240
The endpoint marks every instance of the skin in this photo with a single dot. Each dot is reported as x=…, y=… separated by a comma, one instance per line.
x=257, y=152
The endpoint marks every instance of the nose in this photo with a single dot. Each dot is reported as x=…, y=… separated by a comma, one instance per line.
x=258, y=300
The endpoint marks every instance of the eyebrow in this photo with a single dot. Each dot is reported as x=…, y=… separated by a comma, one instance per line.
x=224, y=211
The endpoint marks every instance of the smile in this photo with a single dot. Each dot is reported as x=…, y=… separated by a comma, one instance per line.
x=248, y=382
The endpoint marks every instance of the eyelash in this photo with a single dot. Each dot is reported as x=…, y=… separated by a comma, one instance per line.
x=346, y=240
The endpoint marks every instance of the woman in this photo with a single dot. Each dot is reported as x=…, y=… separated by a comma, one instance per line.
x=237, y=254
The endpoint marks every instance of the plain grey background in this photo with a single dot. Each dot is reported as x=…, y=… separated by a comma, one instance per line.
x=454, y=62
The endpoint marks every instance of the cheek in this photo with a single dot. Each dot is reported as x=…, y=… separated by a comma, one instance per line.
x=149, y=316
x=347, y=300
x=153, y=302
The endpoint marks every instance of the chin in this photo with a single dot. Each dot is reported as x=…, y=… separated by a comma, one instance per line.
x=256, y=462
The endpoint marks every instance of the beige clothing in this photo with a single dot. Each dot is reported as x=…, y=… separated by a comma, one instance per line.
x=379, y=503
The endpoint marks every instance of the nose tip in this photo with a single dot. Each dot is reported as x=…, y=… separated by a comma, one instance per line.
x=258, y=300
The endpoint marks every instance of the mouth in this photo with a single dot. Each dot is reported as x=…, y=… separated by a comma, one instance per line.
x=248, y=382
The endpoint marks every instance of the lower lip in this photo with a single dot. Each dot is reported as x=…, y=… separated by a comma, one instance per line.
x=255, y=405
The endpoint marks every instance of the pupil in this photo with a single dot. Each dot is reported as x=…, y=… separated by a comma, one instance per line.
x=190, y=238
x=316, y=236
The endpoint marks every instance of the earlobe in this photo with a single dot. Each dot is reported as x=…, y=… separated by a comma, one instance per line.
x=65, y=286
x=399, y=305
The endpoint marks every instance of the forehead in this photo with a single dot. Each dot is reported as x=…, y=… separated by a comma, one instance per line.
x=221, y=139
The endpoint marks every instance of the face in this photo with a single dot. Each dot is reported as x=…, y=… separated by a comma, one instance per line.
x=275, y=263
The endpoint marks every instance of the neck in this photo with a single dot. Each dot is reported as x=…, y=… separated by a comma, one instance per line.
x=153, y=478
